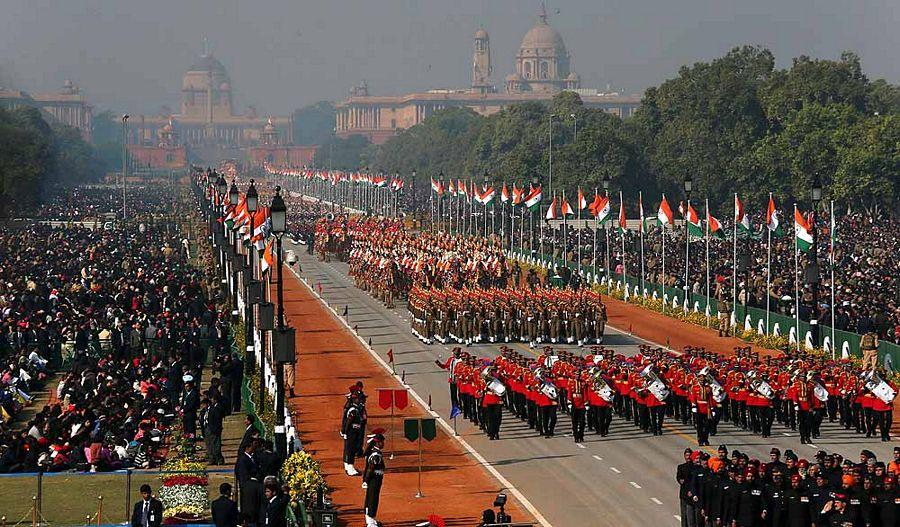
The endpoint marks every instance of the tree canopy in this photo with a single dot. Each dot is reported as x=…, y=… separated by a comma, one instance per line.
x=734, y=124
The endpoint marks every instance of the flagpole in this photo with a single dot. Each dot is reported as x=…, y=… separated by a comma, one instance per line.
x=708, y=310
x=796, y=282
x=734, y=261
x=662, y=286
x=768, y=268
x=578, y=252
x=596, y=228
x=624, y=228
x=608, y=274
x=641, y=206
x=831, y=232
x=687, y=254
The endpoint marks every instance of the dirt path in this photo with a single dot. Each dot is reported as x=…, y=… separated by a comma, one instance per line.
x=656, y=327
x=329, y=360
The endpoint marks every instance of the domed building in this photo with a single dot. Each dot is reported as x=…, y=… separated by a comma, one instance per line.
x=208, y=128
x=542, y=68
x=542, y=63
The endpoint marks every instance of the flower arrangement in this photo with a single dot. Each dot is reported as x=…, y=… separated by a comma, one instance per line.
x=303, y=476
x=184, y=492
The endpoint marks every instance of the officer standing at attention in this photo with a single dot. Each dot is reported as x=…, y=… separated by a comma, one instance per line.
x=373, y=477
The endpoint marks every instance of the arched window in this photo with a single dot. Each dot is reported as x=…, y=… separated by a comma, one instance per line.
x=545, y=69
x=526, y=67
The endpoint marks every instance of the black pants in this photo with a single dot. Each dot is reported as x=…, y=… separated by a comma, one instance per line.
x=578, y=423
x=884, y=420
x=767, y=414
x=350, y=448
x=657, y=416
x=454, y=394
x=604, y=416
x=548, y=419
x=494, y=416
x=804, y=423
x=702, y=428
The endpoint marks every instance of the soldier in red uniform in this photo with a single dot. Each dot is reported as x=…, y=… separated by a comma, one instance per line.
x=703, y=405
x=576, y=394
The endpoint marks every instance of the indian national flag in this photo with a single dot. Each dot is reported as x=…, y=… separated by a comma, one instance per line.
x=693, y=219
x=504, y=194
x=451, y=187
x=773, y=222
x=268, y=259
x=551, y=211
x=533, y=199
x=461, y=189
x=600, y=208
x=566, y=208
x=582, y=202
x=437, y=187
x=714, y=225
x=802, y=230
x=518, y=195
x=623, y=223
x=741, y=220
x=664, y=215
x=643, y=219
x=487, y=196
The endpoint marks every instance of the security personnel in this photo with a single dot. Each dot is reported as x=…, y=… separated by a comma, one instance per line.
x=352, y=432
x=373, y=478
x=450, y=365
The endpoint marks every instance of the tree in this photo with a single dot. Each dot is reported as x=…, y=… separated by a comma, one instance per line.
x=351, y=153
x=314, y=124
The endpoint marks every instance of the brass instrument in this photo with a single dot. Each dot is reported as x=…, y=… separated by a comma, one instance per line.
x=718, y=392
x=654, y=384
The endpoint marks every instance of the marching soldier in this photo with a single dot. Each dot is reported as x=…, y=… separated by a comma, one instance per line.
x=599, y=322
x=703, y=406
x=577, y=400
x=450, y=365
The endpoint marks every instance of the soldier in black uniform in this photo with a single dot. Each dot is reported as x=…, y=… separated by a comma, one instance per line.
x=373, y=477
x=352, y=431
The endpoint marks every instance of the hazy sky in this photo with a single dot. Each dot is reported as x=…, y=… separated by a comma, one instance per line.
x=283, y=54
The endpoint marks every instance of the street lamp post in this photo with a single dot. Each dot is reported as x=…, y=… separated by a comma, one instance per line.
x=252, y=200
x=550, y=182
x=688, y=187
x=124, y=163
x=278, y=212
x=813, y=267
x=234, y=197
x=575, y=118
x=606, y=232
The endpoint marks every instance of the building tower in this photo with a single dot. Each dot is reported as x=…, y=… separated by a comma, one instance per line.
x=481, y=63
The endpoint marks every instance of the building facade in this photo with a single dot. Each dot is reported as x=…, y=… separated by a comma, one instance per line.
x=542, y=69
x=68, y=106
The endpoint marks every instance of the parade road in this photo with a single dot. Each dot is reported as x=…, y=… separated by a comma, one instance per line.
x=624, y=479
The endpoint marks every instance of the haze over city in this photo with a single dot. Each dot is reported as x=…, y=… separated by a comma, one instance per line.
x=282, y=55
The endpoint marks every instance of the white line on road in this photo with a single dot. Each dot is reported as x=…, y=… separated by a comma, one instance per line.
x=656, y=501
x=810, y=445
x=614, y=469
x=786, y=434
x=580, y=445
x=598, y=458
x=635, y=485
x=677, y=517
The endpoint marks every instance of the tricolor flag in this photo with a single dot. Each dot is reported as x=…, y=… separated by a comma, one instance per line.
x=487, y=196
x=643, y=219
x=451, y=187
x=714, y=225
x=693, y=220
x=268, y=259
x=518, y=195
x=551, y=211
x=773, y=222
x=437, y=187
x=582, y=202
x=664, y=215
x=601, y=208
x=566, y=208
x=623, y=223
x=741, y=220
x=533, y=199
x=802, y=230
x=462, y=190
x=504, y=194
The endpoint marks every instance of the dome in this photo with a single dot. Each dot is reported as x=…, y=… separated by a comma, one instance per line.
x=481, y=34
x=269, y=127
x=542, y=36
x=207, y=63
x=514, y=77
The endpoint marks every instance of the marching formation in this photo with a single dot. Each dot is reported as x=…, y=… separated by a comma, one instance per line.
x=693, y=387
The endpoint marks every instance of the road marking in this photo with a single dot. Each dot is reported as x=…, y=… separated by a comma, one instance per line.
x=598, y=458
x=656, y=501
x=444, y=424
x=786, y=434
x=635, y=485
x=579, y=445
x=677, y=517
x=810, y=445
x=614, y=469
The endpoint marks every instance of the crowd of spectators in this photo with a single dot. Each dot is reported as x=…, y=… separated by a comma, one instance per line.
x=867, y=297
x=123, y=318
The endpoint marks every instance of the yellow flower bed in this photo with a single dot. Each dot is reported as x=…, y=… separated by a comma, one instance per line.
x=303, y=475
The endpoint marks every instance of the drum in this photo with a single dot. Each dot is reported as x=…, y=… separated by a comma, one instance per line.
x=820, y=392
x=497, y=388
x=658, y=389
x=884, y=392
x=606, y=394
x=549, y=390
